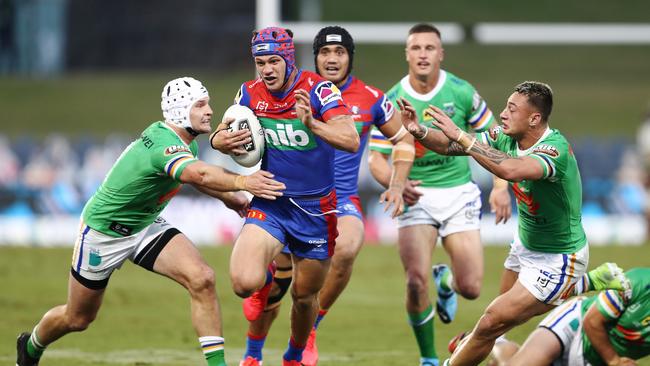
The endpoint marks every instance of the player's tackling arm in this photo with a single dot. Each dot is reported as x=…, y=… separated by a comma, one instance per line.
x=236, y=201
x=595, y=327
x=337, y=131
x=260, y=183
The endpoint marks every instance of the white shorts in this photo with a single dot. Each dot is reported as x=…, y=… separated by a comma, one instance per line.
x=451, y=210
x=548, y=276
x=565, y=321
x=97, y=255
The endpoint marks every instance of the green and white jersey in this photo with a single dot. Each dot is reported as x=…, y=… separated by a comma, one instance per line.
x=467, y=109
x=140, y=183
x=628, y=325
x=550, y=219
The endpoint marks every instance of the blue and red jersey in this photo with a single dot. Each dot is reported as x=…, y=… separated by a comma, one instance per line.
x=295, y=155
x=369, y=106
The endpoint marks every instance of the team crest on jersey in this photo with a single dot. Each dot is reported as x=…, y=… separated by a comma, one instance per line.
x=327, y=93
x=549, y=150
x=174, y=149
x=449, y=109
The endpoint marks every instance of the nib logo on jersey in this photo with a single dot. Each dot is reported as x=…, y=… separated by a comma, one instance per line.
x=287, y=134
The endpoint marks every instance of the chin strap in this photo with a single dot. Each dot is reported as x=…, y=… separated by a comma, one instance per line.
x=191, y=131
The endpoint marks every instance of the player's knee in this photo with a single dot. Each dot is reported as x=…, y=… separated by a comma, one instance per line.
x=303, y=302
x=469, y=289
x=243, y=285
x=79, y=322
x=278, y=292
x=490, y=326
x=416, y=285
x=202, y=280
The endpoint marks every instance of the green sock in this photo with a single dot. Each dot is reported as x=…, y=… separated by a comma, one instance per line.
x=34, y=348
x=213, y=351
x=216, y=358
x=422, y=325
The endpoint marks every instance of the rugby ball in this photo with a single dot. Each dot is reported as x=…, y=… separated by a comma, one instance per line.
x=246, y=119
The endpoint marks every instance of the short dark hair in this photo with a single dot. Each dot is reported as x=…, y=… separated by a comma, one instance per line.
x=539, y=96
x=424, y=28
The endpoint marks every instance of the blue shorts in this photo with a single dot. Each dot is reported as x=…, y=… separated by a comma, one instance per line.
x=349, y=206
x=306, y=226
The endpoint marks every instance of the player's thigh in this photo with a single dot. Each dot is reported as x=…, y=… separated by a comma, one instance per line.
x=350, y=239
x=181, y=261
x=541, y=348
x=466, y=253
x=308, y=275
x=416, y=244
x=254, y=249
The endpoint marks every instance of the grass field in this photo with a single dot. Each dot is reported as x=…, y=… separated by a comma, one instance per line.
x=145, y=318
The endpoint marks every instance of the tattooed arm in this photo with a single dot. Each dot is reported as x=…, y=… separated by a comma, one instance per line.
x=497, y=162
x=502, y=165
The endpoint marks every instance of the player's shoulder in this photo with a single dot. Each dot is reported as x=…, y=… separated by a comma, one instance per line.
x=310, y=79
x=455, y=82
x=365, y=90
x=398, y=89
x=160, y=136
x=554, y=145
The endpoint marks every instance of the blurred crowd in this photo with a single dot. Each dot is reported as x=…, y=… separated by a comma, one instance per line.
x=56, y=175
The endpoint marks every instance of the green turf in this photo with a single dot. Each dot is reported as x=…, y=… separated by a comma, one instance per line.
x=599, y=90
x=145, y=318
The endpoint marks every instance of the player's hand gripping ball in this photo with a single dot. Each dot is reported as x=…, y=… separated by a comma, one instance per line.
x=246, y=119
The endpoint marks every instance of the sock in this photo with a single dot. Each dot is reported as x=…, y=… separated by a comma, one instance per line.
x=321, y=315
x=213, y=351
x=447, y=281
x=583, y=285
x=254, y=346
x=423, y=328
x=34, y=347
x=294, y=351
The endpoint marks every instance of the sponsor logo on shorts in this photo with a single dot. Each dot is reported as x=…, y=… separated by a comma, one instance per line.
x=256, y=214
x=171, y=150
x=317, y=242
x=94, y=258
x=543, y=280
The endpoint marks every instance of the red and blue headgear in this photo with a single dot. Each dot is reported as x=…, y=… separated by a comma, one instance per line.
x=275, y=41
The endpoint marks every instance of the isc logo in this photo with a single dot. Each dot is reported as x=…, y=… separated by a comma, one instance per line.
x=288, y=136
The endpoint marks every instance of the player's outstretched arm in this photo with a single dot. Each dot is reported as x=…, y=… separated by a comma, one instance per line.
x=595, y=327
x=260, y=183
x=337, y=131
x=513, y=169
x=431, y=139
x=236, y=201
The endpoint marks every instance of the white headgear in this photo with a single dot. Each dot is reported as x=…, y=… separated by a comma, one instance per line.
x=178, y=97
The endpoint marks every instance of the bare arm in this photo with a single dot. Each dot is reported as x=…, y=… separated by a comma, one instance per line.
x=235, y=201
x=382, y=172
x=212, y=177
x=338, y=131
x=502, y=165
x=595, y=327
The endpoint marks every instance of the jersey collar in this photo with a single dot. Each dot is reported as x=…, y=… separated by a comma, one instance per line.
x=283, y=94
x=527, y=151
x=347, y=83
x=406, y=85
